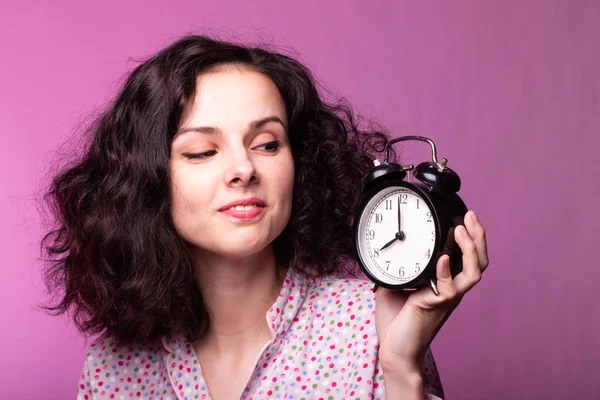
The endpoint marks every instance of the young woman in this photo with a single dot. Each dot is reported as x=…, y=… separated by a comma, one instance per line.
x=203, y=231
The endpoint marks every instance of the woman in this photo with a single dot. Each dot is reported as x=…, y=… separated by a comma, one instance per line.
x=202, y=232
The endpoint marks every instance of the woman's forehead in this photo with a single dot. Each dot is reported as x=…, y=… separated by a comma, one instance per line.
x=234, y=97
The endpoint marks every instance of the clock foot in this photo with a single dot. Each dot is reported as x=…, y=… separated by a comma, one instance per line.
x=434, y=287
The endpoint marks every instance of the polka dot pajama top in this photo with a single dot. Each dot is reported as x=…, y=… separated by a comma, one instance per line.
x=324, y=346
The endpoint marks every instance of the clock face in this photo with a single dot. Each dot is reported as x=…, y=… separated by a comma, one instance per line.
x=396, y=235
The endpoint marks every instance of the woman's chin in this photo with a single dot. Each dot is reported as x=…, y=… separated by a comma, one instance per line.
x=237, y=250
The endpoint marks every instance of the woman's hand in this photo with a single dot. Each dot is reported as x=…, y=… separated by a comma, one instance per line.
x=407, y=322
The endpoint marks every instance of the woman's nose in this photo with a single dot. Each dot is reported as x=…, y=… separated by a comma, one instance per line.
x=240, y=171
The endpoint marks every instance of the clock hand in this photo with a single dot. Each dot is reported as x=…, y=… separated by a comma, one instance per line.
x=399, y=216
x=388, y=244
x=400, y=235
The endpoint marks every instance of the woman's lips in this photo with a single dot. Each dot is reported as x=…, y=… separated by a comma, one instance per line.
x=245, y=214
x=246, y=209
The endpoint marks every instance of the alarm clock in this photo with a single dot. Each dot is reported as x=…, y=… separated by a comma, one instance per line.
x=402, y=228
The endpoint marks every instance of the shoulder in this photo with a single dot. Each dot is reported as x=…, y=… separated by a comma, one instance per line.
x=352, y=292
x=106, y=349
x=113, y=366
x=342, y=303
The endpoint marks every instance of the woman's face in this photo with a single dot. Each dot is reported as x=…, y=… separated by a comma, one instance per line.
x=231, y=165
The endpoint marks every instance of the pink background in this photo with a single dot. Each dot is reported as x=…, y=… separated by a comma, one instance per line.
x=509, y=90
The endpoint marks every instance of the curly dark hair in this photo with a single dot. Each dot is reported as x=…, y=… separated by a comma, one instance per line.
x=113, y=257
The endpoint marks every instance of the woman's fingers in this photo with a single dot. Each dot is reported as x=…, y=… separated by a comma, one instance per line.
x=471, y=239
x=478, y=235
x=471, y=272
x=445, y=285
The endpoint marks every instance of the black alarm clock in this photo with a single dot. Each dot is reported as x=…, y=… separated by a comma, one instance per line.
x=402, y=228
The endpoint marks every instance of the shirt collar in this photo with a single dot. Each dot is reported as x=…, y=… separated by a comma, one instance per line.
x=289, y=302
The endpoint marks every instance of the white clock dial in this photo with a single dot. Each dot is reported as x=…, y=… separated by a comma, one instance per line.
x=396, y=254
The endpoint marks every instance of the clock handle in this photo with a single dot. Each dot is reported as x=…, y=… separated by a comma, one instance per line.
x=440, y=164
x=434, y=174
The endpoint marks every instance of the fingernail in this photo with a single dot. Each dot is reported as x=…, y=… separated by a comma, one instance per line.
x=474, y=217
x=446, y=267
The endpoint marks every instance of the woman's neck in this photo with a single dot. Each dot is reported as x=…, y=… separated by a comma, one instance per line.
x=238, y=293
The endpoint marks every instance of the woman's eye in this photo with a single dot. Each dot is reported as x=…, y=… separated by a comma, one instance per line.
x=200, y=156
x=271, y=147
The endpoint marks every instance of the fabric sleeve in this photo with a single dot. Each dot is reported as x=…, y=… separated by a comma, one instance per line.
x=432, y=386
x=84, y=386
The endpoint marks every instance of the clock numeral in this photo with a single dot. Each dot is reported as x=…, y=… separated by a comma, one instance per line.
x=376, y=253
x=417, y=204
x=378, y=218
x=429, y=217
x=417, y=268
x=428, y=254
x=403, y=198
x=387, y=265
x=371, y=234
x=388, y=204
x=433, y=236
x=401, y=272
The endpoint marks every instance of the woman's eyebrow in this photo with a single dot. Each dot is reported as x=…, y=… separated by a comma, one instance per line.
x=212, y=130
